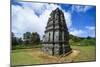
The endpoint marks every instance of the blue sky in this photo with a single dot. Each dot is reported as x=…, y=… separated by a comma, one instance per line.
x=33, y=17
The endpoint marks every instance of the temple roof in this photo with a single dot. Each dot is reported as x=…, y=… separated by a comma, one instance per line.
x=56, y=11
x=56, y=19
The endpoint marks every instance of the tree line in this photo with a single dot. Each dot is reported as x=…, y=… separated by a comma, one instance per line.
x=27, y=39
x=33, y=39
x=75, y=40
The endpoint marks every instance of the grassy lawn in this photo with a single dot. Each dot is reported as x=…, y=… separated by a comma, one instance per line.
x=87, y=53
x=23, y=57
x=35, y=56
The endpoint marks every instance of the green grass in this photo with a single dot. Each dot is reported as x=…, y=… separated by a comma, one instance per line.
x=87, y=53
x=35, y=56
x=23, y=57
x=27, y=46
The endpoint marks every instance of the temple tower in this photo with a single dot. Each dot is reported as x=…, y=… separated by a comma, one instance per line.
x=56, y=38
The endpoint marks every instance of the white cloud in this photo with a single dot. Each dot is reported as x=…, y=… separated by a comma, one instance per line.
x=91, y=30
x=77, y=32
x=87, y=31
x=36, y=7
x=68, y=19
x=90, y=27
x=24, y=17
x=80, y=8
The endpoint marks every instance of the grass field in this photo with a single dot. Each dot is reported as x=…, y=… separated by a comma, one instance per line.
x=35, y=56
x=87, y=53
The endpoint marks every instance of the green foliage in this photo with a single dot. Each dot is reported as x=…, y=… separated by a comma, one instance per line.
x=31, y=38
x=26, y=37
x=88, y=42
x=20, y=41
x=74, y=40
x=15, y=40
x=24, y=46
x=35, y=38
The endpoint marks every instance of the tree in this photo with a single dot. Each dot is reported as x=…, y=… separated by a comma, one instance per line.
x=74, y=38
x=26, y=37
x=14, y=39
x=89, y=37
x=31, y=38
x=90, y=41
x=20, y=41
x=35, y=38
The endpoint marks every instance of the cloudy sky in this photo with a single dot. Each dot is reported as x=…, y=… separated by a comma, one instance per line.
x=33, y=17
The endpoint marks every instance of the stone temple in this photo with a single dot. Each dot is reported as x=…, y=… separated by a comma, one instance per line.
x=56, y=38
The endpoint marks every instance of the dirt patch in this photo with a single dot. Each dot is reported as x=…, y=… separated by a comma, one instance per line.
x=70, y=57
x=45, y=58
